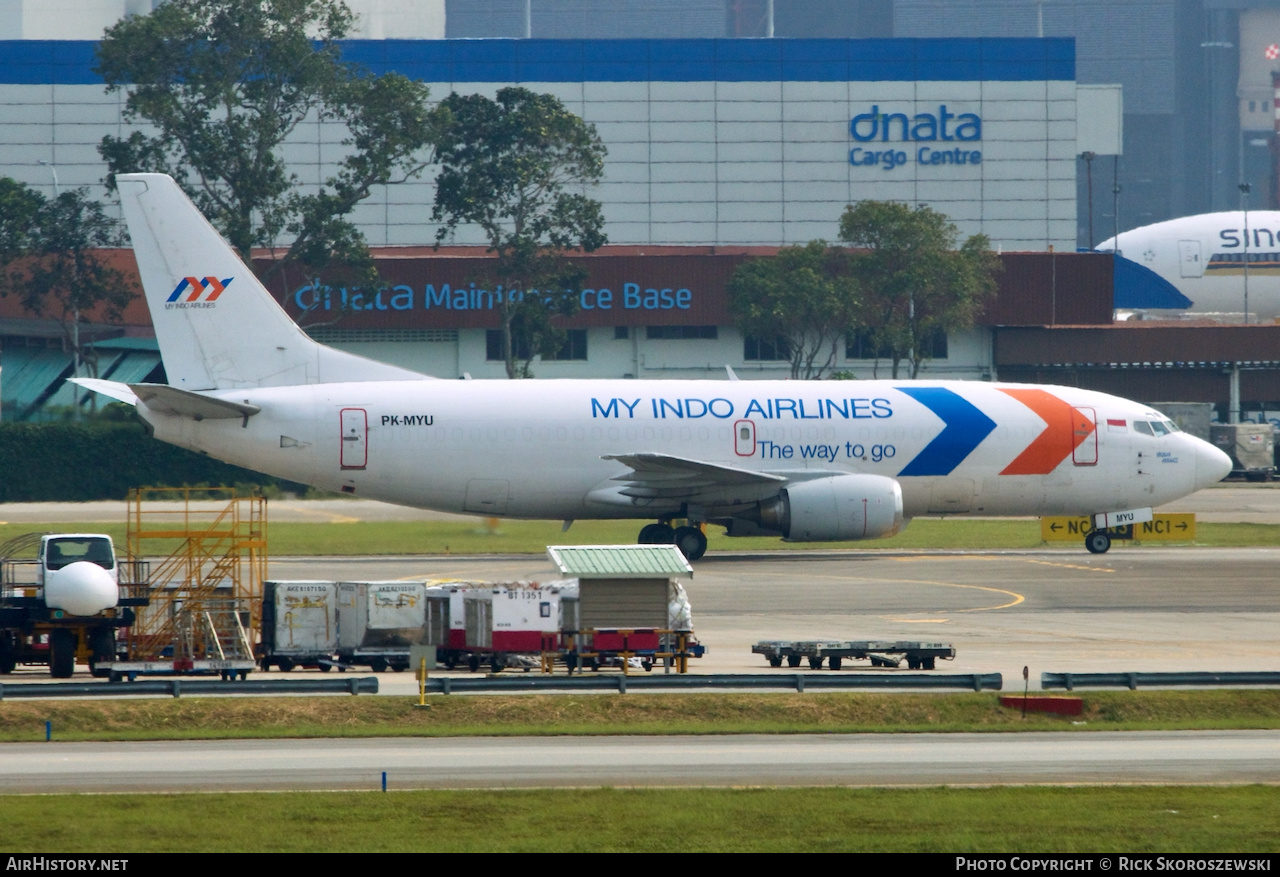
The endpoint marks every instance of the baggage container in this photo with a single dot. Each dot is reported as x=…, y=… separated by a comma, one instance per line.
x=300, y=618
x=377, y=622
x=1251, y=447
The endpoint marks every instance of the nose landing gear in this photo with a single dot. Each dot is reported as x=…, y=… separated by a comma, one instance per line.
x=1097, y=541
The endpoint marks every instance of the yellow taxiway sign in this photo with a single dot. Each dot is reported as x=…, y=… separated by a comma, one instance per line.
x=1163, y=528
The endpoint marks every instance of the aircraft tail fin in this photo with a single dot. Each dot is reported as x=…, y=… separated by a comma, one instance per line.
x=217, y=326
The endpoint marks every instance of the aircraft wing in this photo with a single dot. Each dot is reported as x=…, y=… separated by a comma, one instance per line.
x=660, y=476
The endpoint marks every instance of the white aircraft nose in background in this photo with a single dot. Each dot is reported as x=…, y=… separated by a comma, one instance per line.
x=1204, y=258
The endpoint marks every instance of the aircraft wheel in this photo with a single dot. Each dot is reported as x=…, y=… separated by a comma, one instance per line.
x=1098, y=542
x=793, y=661
x=62, y=653
x=775, y=661
x=692, y=543
x=835, y=662
x=656, y=534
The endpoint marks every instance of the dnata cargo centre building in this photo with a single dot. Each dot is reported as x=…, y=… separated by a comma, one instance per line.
x=718, y=149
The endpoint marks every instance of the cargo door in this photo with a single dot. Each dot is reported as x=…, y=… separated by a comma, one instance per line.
x=744, y=438
x=355, y=438
x=1084, y=437
x=1189, y=259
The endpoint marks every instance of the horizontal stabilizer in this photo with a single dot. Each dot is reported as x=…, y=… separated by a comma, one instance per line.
x=164, y=399
x=113, y=389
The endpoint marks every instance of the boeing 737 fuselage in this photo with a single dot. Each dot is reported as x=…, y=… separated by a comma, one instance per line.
x=808, y=461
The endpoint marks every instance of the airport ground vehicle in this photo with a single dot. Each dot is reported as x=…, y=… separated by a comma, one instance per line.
x=67, y=603
x=918, y=655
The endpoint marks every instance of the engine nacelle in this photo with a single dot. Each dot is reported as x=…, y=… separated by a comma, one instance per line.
x=836, y=509
x=82, y=588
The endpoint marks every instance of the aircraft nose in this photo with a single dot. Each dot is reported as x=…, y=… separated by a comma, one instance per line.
x=1212, y=465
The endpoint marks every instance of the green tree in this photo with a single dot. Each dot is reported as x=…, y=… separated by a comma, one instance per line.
x=224, y=83
x=51, y=261
x=803, y=295
x=517, y=167
x=917, y=282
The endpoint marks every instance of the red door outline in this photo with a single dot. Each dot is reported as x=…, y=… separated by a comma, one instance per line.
x=744, y=438
x=1084, y=424
x=355, y=438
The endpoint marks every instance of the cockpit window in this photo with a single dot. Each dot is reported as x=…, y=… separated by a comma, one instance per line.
x=1143, y=427
x=1158, y=427
x=1173, y=427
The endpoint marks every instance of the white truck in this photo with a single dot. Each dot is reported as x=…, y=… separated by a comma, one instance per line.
x=68, y=603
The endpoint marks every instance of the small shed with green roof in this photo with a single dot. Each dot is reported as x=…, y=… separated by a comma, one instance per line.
x=621, y=586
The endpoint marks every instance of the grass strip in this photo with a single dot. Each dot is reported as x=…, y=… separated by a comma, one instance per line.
x=373, y=538
x=191, y=718
x=1025, y=820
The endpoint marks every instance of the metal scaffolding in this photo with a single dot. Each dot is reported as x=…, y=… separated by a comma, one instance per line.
x=208, y=553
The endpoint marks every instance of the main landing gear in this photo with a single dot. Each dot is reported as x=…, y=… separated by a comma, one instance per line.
x=1098, y=541
x=691, y=541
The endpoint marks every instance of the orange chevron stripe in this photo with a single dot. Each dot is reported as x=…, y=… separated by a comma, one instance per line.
x=1065, y=428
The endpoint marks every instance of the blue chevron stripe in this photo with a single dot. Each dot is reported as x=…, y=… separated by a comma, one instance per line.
x=965, y=429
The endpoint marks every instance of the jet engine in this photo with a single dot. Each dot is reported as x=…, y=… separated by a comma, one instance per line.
x=81, y=588
x=838, y=508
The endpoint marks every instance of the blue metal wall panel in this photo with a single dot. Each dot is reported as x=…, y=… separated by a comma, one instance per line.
x=667, y=60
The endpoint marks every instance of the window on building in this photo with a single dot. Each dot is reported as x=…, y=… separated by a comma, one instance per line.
x=934, y=345
x=862, y=345
x=493, y=346
x=775, y=349
x=681, y=333
x=574, y=348
x=621, y=333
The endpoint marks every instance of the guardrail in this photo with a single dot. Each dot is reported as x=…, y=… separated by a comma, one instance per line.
x=1132, y=681
x=792, y=681
x=177, y=687
x=462, y=685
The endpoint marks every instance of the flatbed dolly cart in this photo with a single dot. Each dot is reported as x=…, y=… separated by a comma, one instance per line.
x=918, y=655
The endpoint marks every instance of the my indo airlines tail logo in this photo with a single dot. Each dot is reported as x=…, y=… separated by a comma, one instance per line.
x=203, y=292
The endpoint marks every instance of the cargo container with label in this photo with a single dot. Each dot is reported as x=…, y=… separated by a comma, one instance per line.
x=299, y=624
x=377, y=622
x=491, y=624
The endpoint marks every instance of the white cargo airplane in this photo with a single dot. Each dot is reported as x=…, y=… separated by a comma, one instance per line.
x=1204, y=257
x=807, y=461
